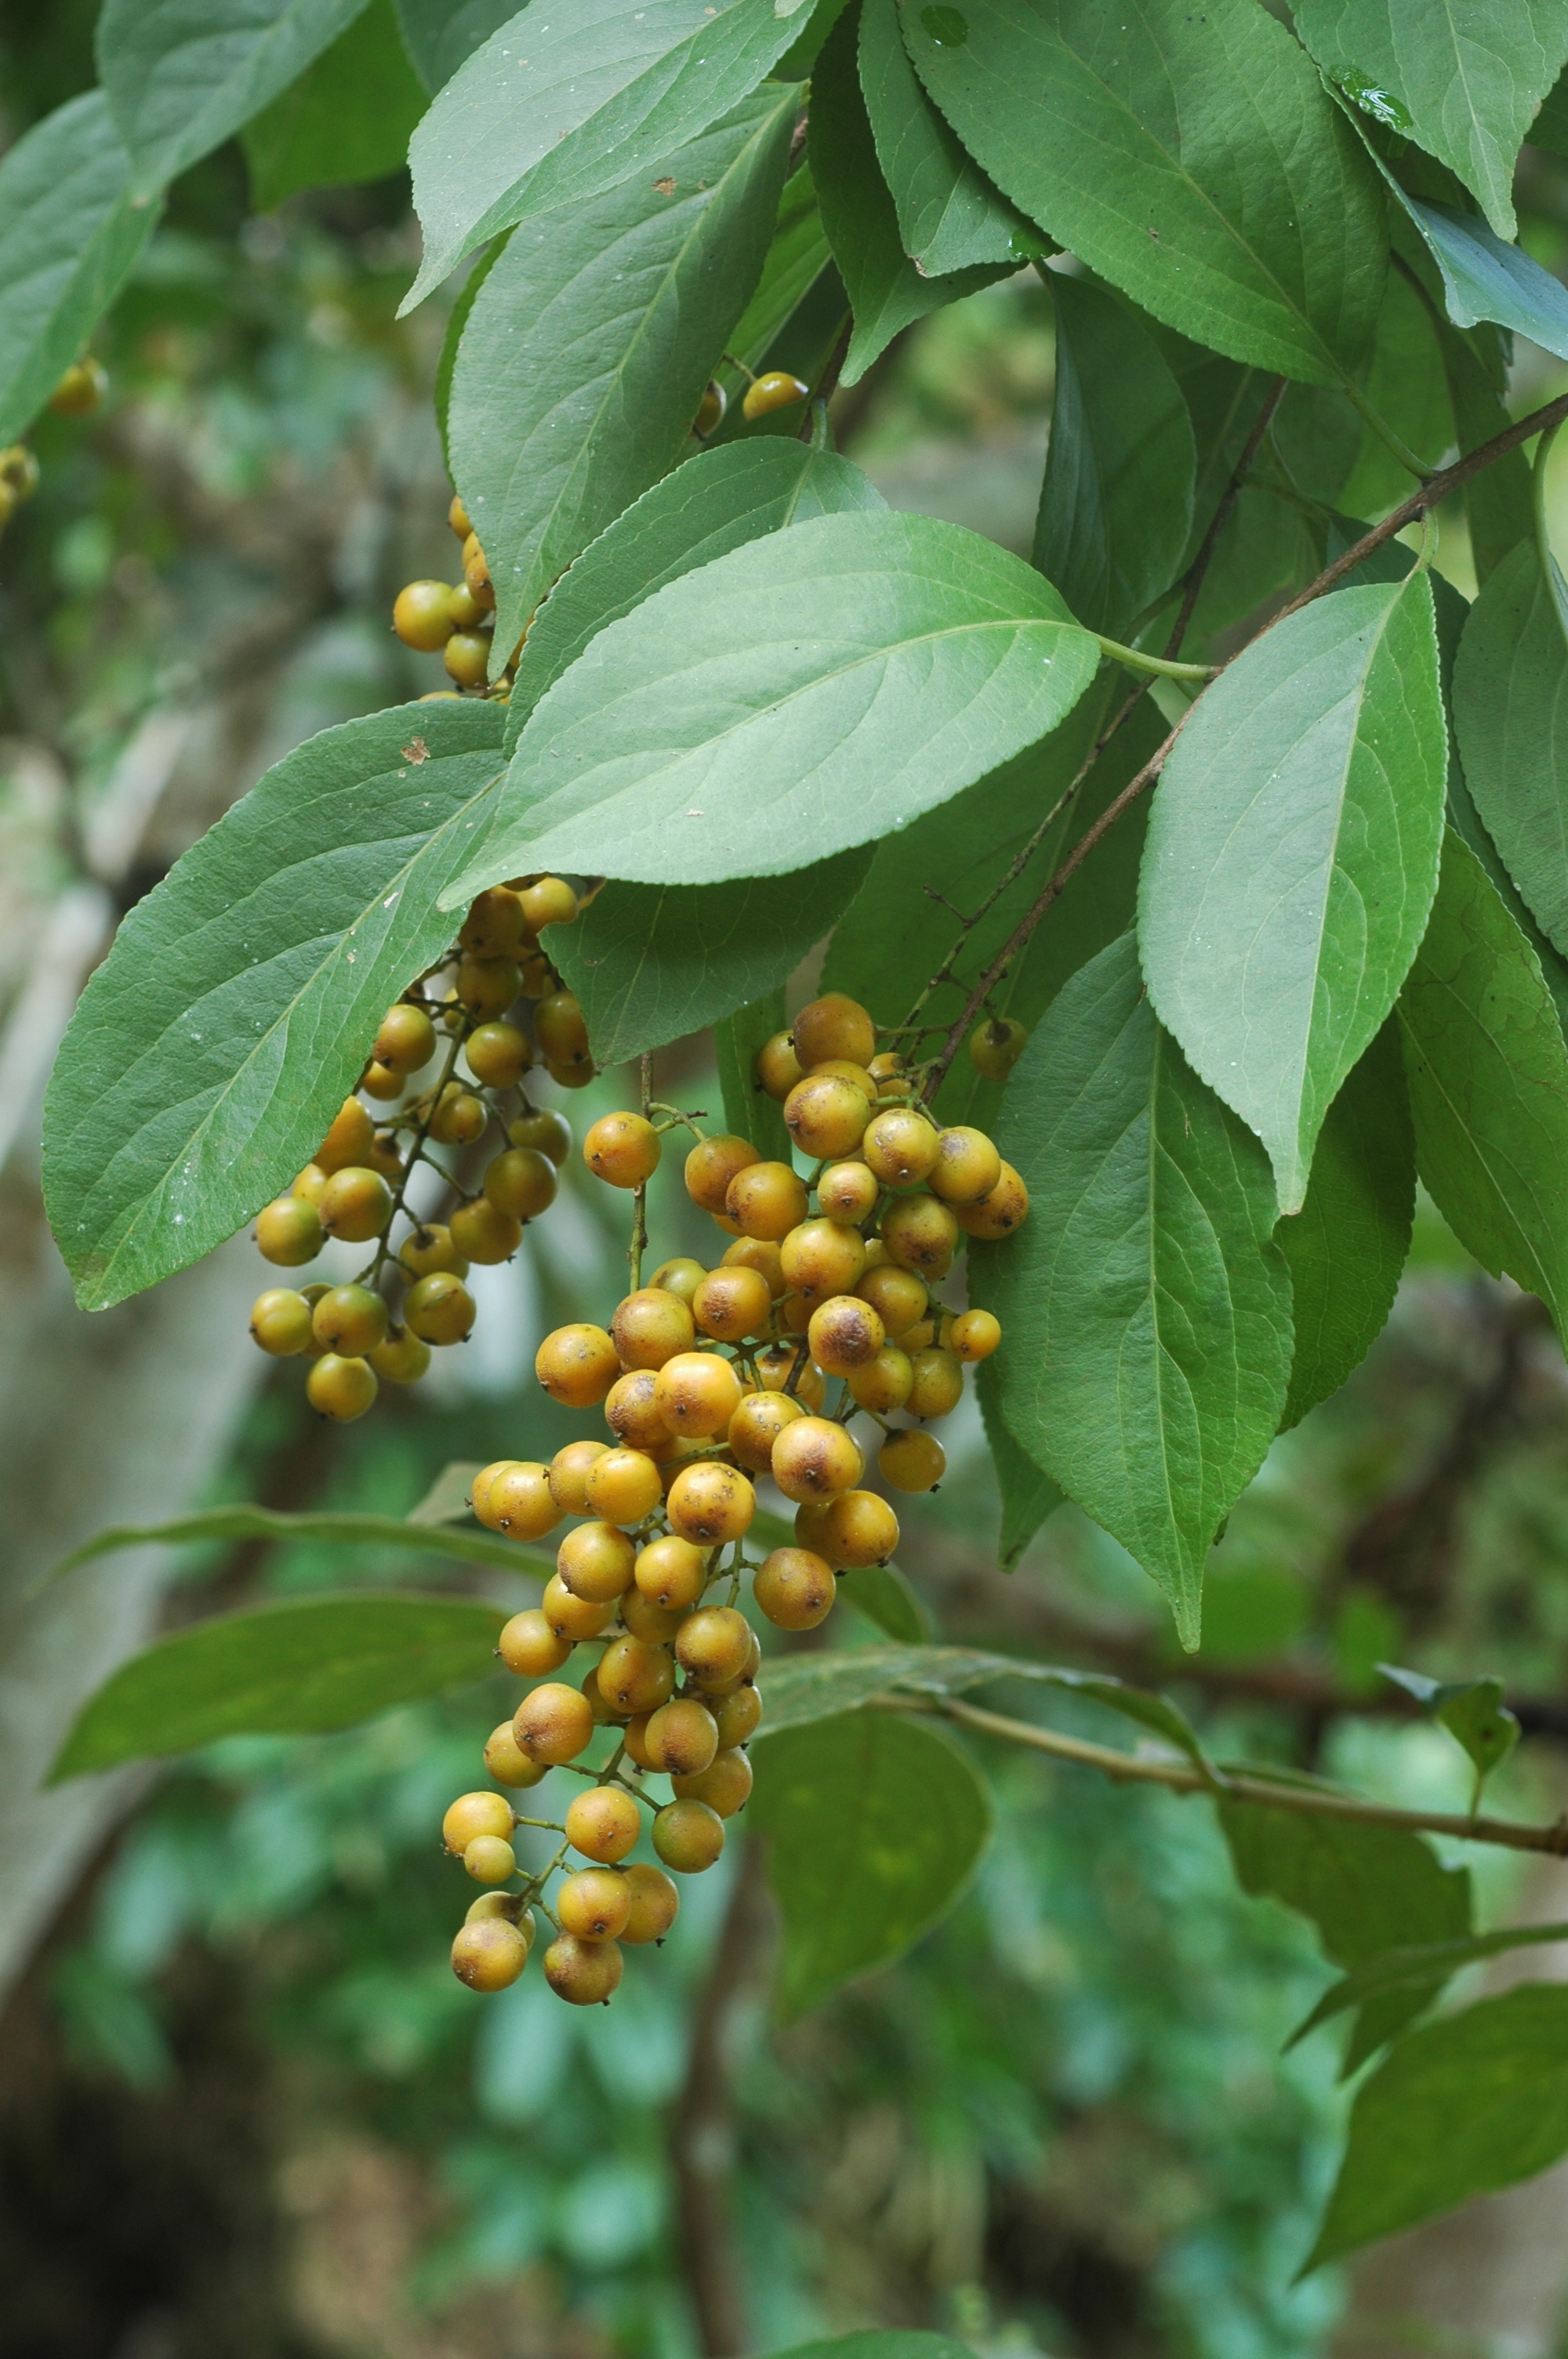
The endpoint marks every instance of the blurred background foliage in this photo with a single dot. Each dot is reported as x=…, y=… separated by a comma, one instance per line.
x=246, y=2106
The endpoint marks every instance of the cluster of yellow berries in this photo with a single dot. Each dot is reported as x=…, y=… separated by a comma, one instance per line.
x=452, y=619
x=710, y=1379
x=447, y=1070
x=79, y=392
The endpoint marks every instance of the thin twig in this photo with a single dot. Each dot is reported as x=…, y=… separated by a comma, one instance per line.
x=1435, y=490
x=1182, y=1777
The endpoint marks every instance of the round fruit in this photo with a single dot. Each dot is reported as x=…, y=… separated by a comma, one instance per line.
x=634, y=1676
x=845, y=1335
x=585, y=1973
x=711, y=1166
x=422, y=615
x=710, y=411
x=487, y=986
x=767, y=1200
x=900, y=1146
x=467, y=658
x=496, y=925
x=883, y=1383
x=778, y=1067
x=553, y=1722
x=624, y=1487
x=731, y=1303
x=849, y=1191
x=476, y=1814
x=724, y=1785
x=289, y=1231
x=506, y=1764
x=711, y=1504
x=341, y=1389
x=794, y=1589
x=481, y=1233
x=476, y=571
x=643, y=1619
x=559, y=1028
x=738, y=1716
x=577, y=1364
x=595, y=1560
x=630, y=1411
x=823, y=1257
x=996, y=1045
x=430, y=1248
x=938, y=1382
x=756, y=1426
x=683, y=1277
x=549, y=901
x=570, y=1470
x=356, y=1204
x=999, y=1212
x=406, y=1039
x=974, y=1335
x=859, y=1528
x=650, y=1327
x=594, y=1904
x=623, y=1150
x=489, y=1955
x=826, y=1115
x=570, y=1617
x=912, y=1461
x=655, y=1904
x=459, y=1118
x=834, y=1025
x=440, y=1308
x=671, y=1571
x=402, y=1359
x=545, y=1130
x=521, y=1183
x=697, y=1393
x=688, y=1836
x=921, y=1234
x=517, y=1499
x=815, y=1458
x=714, y=1646
x=529, y=1646
x=497, y=1054
x=897, y=1295
x=777, y=1373
x=81, y=390
x=967, y=1166
x=775, y=389
x=682, y=1736
x=603, y=1824
x=281, y=1321
x=350, y=1319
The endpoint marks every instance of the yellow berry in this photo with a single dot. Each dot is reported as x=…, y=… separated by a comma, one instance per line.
x=775, y=389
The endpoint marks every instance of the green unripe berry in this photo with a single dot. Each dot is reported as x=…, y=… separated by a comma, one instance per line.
x=422, y=615
x=775, y=389
x=356, y=1204
x=545, y=1130
x=996, y=1045
x=430, y=1248
x=522, y=1182
x=490, y=1859
x=341, y=1389
x=402, y=1359
x=497, y=1054
x=280, y=1322
x=440, y=1308
x=688, y=1836
x=289, y=1231
x=350, y=1319
x=482, y=1233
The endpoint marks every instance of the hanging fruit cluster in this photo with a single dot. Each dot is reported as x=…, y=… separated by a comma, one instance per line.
x=447, y=1071
x=710, y=1379
x=454, y=619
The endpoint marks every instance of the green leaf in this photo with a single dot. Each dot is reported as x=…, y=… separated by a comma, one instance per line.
x=290, y=1670
x=813, y=1687
x=1292, y=858
x=214, y=1046
x=1460, y=2107
x=551, y=114
x=1485, y=279
x=1550, y=129
x=1116, y=507
x=748, y=1109
x=348, y=118
x=1028, y=1494
x=896, y=935
x=1406, y=387
x=1510, y=685
x=1472, y=1711
x=653, y=962
x=886, y=290
x=447, y=1500
x=715, y=503
x=1364, y=1887
x=588, y=345
x=949, y=216
x=419, y=1535
x=1421, y=1965
x=1147, y=1314
x=1193, y=159
x=69, y=237
x=1348, y=1245
x=1464, y=819
x=796, y=259
x=1489, y=1084
x=1498, y=509
x=440, y=34
x=881, y=1592
x=808, y=693
x=181, y=75
x=859, y=1867
x=1464, y=80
